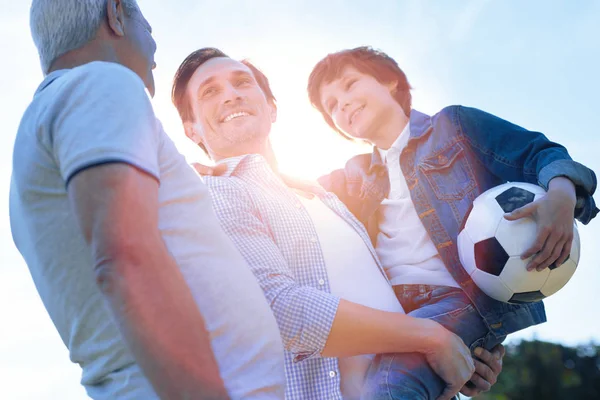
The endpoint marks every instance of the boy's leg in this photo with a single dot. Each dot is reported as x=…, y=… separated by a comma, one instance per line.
x=408, y=375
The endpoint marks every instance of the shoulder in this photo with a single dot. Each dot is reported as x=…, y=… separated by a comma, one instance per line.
x=108, y=82
x=460, y=111
x=107, y=71
x=461, y=116
x=227, y=191
x=448, y=113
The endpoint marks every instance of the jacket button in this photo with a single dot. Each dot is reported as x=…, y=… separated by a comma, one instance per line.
x=443, y=159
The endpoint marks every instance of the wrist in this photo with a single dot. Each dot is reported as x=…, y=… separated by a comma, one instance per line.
x=564, y=186
x=432, y=335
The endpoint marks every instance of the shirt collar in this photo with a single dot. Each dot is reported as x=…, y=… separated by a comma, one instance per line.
x=248, y=161
x=51, y=77
x=233, y=163
x=398, y=144
x=420, y=126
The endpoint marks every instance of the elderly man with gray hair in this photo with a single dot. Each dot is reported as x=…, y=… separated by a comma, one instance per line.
x=145, y=289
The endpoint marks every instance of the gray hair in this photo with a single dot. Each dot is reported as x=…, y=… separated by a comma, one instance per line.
x=59, y=26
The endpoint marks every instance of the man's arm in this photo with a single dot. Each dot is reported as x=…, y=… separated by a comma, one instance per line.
x=314, y=322
x=117, y=209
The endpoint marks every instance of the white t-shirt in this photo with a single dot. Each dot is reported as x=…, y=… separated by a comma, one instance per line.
x=354, y=276
x=403, y=244
x=99, y=113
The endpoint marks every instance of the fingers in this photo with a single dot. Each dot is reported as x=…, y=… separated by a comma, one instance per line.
x=202, y=169
x=539, y=243
x=525, y=211
x=492, y=361
x=470, y=391
x=480, y=384
x=566, y=251
x=499, y=351
x=486, y=371
x=548, y=254
x=205, y=170
x=484, y=377
x=219, y=169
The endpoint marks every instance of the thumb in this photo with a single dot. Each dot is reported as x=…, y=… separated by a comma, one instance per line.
x=522, y=212
x=219, y=169
x=499, y=351
x=202, y=169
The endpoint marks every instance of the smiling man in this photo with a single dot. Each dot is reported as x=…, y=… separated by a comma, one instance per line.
x=314, y=260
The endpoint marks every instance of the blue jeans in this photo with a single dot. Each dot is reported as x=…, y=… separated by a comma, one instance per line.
x=408, y=376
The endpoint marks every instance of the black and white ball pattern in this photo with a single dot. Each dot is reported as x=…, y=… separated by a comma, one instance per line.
x=490, y=247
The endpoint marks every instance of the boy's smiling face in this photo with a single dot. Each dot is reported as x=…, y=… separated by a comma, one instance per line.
x=359, y=105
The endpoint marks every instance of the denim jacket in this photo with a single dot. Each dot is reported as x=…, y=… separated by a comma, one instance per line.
x=450, y=159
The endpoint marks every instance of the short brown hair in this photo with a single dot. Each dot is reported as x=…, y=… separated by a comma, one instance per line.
x=186, y=71
x=366, y=60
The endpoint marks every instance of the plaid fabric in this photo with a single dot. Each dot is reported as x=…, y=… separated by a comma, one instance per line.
x=276, y=236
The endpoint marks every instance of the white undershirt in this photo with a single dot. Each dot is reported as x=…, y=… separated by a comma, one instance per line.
x=353, y=276
x=403, y=245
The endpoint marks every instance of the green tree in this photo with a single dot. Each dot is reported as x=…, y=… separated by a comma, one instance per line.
x=548, y=371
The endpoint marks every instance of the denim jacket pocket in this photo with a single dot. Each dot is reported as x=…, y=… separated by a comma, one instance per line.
x=449, y=173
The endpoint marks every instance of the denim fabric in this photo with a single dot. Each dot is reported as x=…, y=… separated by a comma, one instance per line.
x=450, y=159
x=408, y=376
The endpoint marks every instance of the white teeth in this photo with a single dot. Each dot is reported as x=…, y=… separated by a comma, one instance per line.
x=235, y=115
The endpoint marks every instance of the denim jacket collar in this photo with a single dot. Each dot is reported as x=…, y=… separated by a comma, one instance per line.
x=420, y=125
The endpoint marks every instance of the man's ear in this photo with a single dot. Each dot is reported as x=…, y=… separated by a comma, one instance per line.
x=191, y=132
x=273, y=110
x=116, y=17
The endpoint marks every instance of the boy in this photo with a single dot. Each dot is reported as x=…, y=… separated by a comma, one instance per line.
x=414, y=191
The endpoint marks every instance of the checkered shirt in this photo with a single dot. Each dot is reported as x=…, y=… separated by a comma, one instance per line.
x=277, y=237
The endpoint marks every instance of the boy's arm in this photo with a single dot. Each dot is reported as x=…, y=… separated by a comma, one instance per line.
x=516, y=154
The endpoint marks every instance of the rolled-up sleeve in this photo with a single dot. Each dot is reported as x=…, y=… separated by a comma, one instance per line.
x=584, y=180
x=517, y=154
x=304, y=314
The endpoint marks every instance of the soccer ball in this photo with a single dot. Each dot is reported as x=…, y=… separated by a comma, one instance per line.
x=489, y=247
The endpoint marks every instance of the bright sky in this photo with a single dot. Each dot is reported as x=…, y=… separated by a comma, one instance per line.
x=533, y=63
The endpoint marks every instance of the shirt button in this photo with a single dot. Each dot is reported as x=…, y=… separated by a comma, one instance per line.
x=298, y=205
x=313, y=239
x=332, y=374
x=321, y=282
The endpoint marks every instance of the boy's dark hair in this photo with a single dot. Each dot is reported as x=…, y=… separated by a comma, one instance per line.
x=365, y=60
x=186, y=71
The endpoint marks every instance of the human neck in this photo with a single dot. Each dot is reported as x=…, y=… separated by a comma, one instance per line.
x=263, y=148
x=389, y=133
x=95, y=50
x=267, y=152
